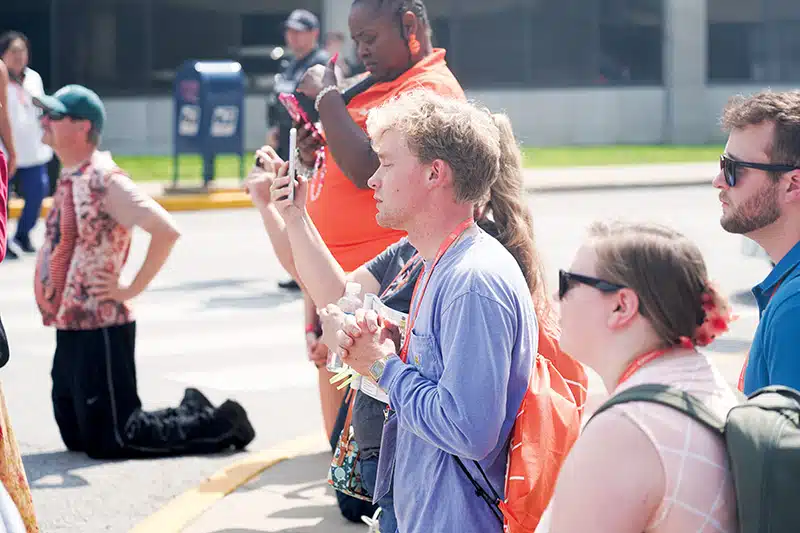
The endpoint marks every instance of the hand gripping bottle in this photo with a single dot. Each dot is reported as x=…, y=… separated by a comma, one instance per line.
x=348, y=303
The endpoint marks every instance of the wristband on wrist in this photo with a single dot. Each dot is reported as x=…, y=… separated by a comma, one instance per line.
x=311, y=328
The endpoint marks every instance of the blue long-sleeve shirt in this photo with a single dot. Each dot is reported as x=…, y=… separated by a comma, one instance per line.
x=469, y=362
x=774, y=356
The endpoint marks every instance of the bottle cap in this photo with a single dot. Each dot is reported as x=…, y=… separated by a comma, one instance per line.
x=352, y=289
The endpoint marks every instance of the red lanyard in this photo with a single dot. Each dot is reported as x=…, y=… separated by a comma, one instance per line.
x=412, y=316
x=402, y=277
x=640, y=361
x=747, y=357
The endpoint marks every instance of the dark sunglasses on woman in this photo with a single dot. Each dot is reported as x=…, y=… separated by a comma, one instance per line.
x=567, y=280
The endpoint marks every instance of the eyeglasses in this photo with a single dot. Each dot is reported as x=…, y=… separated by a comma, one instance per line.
x=55, y=116
x=729, y=166
x=566, y=281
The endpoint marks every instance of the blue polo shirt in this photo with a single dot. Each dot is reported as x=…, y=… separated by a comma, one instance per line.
x=775, y=353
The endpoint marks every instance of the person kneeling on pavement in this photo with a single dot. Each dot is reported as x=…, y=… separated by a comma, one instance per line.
x=88, y=234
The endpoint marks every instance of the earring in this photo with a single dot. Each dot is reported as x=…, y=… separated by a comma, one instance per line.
x=413, y=44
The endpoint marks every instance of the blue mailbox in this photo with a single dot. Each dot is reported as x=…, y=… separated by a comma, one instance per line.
x=209, y=113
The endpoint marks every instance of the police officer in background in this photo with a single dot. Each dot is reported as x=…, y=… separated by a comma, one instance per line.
x=301, y=32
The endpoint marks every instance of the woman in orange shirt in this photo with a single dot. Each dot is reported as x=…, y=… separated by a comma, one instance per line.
x=393, y=40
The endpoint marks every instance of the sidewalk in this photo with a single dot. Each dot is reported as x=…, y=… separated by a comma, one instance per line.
x=227, y=192
x=289, y=494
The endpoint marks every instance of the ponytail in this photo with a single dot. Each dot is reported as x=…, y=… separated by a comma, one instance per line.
x=515, y=224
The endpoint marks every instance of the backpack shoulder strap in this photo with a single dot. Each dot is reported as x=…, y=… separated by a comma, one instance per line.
x=669, y=397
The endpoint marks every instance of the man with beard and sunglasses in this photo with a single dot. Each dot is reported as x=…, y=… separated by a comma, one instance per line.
x=759, y=183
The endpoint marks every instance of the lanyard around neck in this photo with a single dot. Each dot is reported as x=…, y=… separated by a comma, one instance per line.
x=412, y=316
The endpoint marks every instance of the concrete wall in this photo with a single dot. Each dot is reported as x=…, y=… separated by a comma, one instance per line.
x=144, y=125
x=717, y=97
x=581, y=116
x=540, y=117
x=552, y=117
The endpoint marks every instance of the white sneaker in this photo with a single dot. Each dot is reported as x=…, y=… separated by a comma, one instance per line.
x=373, y=523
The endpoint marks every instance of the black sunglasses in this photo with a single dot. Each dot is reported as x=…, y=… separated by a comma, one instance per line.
x=729, y=166
x=566, y=279
x=55, y=116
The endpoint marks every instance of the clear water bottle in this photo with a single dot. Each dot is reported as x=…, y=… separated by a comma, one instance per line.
x=348, y=303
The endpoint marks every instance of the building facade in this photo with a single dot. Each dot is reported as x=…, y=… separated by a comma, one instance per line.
x=566, y=71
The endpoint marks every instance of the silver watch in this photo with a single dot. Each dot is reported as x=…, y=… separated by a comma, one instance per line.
x=377, y=368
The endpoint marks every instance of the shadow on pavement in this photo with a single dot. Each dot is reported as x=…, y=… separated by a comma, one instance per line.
x=744, y=298
x=206, y=285
x=264, y=300
x=730, y=346
x=304, y=470
x=39, y=467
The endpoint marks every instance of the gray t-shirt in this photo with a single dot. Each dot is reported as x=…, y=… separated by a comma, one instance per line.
x=368, y=414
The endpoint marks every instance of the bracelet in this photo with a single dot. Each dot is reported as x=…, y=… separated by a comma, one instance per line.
x=303, y=170
x=322, y=93
x=311, y=328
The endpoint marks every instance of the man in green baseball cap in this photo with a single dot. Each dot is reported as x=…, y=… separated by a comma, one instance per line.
x=71, y=109
x=78, y=290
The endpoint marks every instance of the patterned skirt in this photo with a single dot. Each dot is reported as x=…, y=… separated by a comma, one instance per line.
x=12, y=474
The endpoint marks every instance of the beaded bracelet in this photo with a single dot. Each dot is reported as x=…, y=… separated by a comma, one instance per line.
x=322, y=93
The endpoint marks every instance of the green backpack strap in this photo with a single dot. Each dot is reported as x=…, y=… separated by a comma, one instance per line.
x=669, y=397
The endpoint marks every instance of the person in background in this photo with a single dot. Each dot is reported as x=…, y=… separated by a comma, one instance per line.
x=759, y=189
x=6, y=137
x=78, y=291
x=31, y=178
x=635, y=305
x=334, y=44
x=393, y=40
x=16, y=507
x=301, y=33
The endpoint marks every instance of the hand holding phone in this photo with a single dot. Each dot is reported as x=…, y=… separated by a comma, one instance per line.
x=298, y=114
x=292, y=161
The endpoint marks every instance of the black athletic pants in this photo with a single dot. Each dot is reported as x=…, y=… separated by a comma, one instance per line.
x=97, y=407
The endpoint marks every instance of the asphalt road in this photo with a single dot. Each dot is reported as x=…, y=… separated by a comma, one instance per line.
x=216, y=320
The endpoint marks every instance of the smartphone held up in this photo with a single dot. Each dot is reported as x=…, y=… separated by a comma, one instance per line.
x=298, y=114
x=292, y=162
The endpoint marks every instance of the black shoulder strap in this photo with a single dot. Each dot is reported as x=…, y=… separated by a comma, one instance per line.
x=358, y=88
x=669, y=397
x=492, y=502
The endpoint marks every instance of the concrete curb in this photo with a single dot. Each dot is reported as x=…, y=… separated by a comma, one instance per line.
x=183, y=509
x=621, y=184
x=233, y=199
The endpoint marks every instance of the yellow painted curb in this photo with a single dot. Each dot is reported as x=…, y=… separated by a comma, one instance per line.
x=201, y=202
x=15, y=207
x=179, y=202
x=183, y=509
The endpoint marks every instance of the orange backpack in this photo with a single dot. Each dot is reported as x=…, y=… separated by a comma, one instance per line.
x=547, y=425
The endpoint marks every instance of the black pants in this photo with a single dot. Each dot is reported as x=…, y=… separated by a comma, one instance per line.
x=97, y=407
x=351, y=508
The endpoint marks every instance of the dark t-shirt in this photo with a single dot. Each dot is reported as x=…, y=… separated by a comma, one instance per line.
x=368, y=415
x=287, y=82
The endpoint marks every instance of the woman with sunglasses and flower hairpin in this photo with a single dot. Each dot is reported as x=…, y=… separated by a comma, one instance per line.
x=635, y=305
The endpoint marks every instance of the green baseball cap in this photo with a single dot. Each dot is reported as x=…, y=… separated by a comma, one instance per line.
x=74, y=101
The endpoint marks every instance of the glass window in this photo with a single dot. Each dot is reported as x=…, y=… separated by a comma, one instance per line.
x=753, y=40
x=547, y=43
